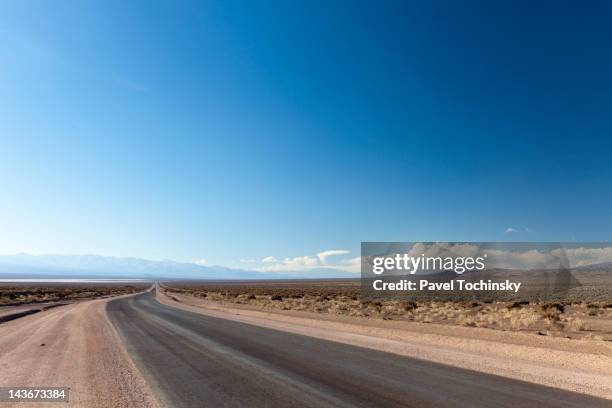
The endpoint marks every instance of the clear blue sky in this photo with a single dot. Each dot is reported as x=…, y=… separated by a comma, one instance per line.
x=241, y=130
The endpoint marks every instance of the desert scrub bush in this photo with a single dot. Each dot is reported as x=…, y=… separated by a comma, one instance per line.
x=355, y=312
x=320, y=307
x=593, y=309
x=517, y=305
x=214, y=296
x=244, y=298
x=392, y=309
x=519, y=319
x=552, y=311
x=575, y=324
x=408, y=305
x=339, y=308
x=467, y=320
x=33, y=294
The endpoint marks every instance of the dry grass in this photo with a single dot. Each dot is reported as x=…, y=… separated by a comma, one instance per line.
x=343, y=298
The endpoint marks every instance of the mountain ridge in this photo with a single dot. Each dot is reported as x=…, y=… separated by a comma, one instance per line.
x=99, y=266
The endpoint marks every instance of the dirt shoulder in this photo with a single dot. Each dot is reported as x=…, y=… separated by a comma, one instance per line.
x=71, y=346
x=575, y=365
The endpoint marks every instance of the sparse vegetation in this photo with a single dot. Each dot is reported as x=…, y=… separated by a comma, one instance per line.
x=343, y=298
x=26, y=294
x=552, y=311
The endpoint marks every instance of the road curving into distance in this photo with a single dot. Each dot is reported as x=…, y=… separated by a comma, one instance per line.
x=190, y=359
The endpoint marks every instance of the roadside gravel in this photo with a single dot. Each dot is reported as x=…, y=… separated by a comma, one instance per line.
x=71, y=346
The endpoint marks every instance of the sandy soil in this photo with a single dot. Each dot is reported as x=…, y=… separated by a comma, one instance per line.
x=574, y=365
x=9, y=310
x=81, y=350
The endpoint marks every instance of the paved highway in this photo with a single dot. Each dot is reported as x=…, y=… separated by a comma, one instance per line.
x=193, y=360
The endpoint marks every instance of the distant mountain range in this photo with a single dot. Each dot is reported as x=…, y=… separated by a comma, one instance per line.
x=96, y=266
x=605, y=266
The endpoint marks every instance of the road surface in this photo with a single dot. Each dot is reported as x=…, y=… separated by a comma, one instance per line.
x=193, y=360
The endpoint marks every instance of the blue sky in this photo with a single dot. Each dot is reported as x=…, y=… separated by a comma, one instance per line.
x=232, y=131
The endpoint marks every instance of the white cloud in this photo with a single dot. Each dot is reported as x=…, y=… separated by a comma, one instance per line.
x=588, y=256
x=306, y=262
x=332, y=252
x=510, y=230
x=289, y=264
x=351, y=265
x=510, y=258
x=201, y=262
x=300, y=262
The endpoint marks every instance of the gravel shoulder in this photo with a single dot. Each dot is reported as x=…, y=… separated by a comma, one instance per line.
x=71, y=346
x=573, y=365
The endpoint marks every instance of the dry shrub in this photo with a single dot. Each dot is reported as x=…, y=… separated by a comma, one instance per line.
x=549, y=318
x=339, y=308
x=576, y=324
x=593, y=312
x=467, y=320
x=408, y=305
x=552, y=311
x=27, y=294
x=517, y=305
x=592, y=305
x=214, y=296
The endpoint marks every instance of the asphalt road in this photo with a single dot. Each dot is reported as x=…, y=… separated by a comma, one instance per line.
x=193, y=360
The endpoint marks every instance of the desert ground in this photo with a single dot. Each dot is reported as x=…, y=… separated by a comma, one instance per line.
x=21, y=299
x=12, y=294
x=71, y=346
x=300, y=343
x=586, y=319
